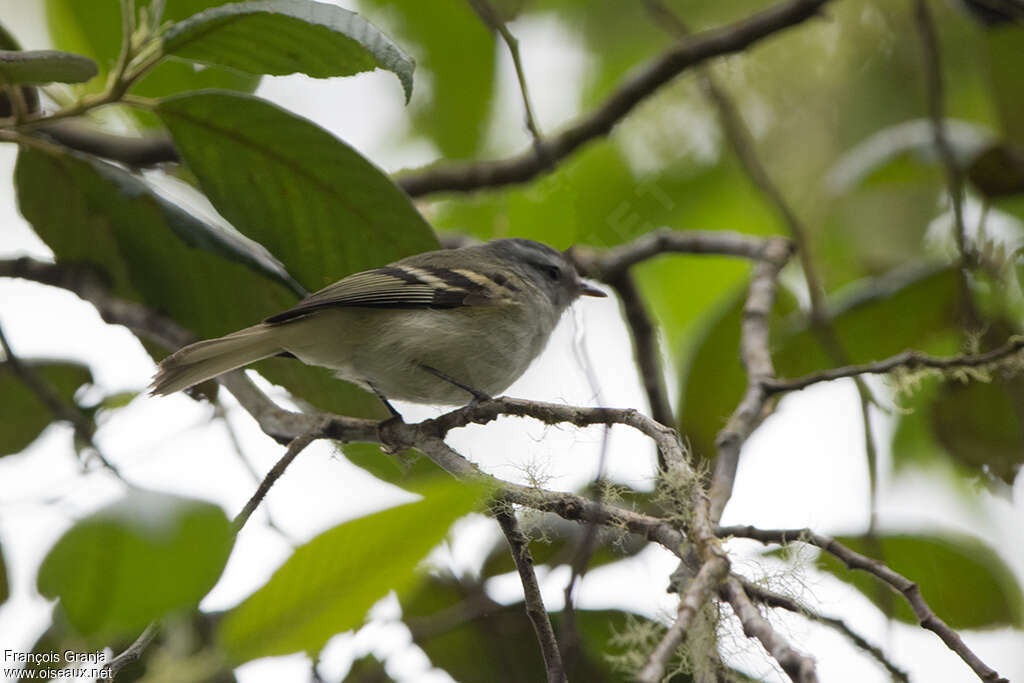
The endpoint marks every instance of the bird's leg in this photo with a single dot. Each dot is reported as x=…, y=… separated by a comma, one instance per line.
x=477, y=395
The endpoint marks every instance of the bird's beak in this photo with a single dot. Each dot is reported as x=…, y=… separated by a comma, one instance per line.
x=590, y=290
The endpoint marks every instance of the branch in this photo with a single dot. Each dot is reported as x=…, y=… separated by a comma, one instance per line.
x=742, y=142
x=297, y=445
x=907, y=360
x=137, y=152
x=493, y=21
x=698, y=592
x=799, y=667
x=899, y=583
x=755, y=351
x=520, y=548
x=772, y=599
x=712, y=43
x=932, y=59
x=132, y=653
x=70, y=413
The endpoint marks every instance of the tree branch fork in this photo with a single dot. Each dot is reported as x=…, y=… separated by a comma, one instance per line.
x=689, y=532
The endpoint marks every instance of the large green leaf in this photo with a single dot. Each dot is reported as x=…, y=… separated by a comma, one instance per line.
x=976, y=426
x=915, y=311
x=106, y=217
x=25, y=414
x=328, y=584
x=93, y=28
x=501, y=636
x=136, y=560
x=45, y=66
x=967, y=584
x=264, y=37
x=318, y=205
x=454, y=47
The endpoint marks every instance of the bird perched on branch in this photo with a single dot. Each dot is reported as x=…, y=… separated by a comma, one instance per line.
x=439, y=327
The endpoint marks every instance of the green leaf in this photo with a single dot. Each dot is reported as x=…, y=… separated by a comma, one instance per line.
x=136, y=560
x=312, y=200
x=25, y=414
x=45, y=66
x=329, y=583
x=944, y=566
x=510, y=658
x=973, y=425
x=282, y=37
x=458, y=52
x=108, y=218
x=916, y=310
x=192, y=231
x=93, y=28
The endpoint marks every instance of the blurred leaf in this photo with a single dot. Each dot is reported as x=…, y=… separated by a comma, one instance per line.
x=5, y=584
x=7, y=39
x=25, y=415
x=712, y=379
x=136, y=560
x=962, y=579
x=45, y=66
x=998, y=171
x=1006, y=78
x=916, y=311
x=313, y=38
x=976, y=426
x=93, y=28
x=913, y=140
x=457, y=52
x=108, y=218
x=312, y=200
x=408, y=469
x=328, y=584
x=448, y=619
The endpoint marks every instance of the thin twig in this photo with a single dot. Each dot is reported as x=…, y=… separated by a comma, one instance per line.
x=132, y=653
x=236, y=446
x=777, y=600
x=645, y=348
x=519, y=546
x=799, y=667
x=696, y=594
x=906, y=360
x=899, y=583
x=493, y=20
x=634, y=89
x=297, y=445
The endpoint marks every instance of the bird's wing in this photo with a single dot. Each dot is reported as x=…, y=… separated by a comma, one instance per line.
x=409, y=287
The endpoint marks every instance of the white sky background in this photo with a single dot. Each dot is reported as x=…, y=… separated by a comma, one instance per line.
x=804, y=467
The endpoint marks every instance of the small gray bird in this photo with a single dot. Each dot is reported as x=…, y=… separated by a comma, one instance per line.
x=439, y=327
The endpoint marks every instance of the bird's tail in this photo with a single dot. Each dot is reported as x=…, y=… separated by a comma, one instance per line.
x=205, y=360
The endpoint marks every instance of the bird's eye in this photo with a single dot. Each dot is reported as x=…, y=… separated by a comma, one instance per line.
x=552, y=272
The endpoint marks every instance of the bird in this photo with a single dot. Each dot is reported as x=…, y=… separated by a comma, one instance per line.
x=445, y=327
